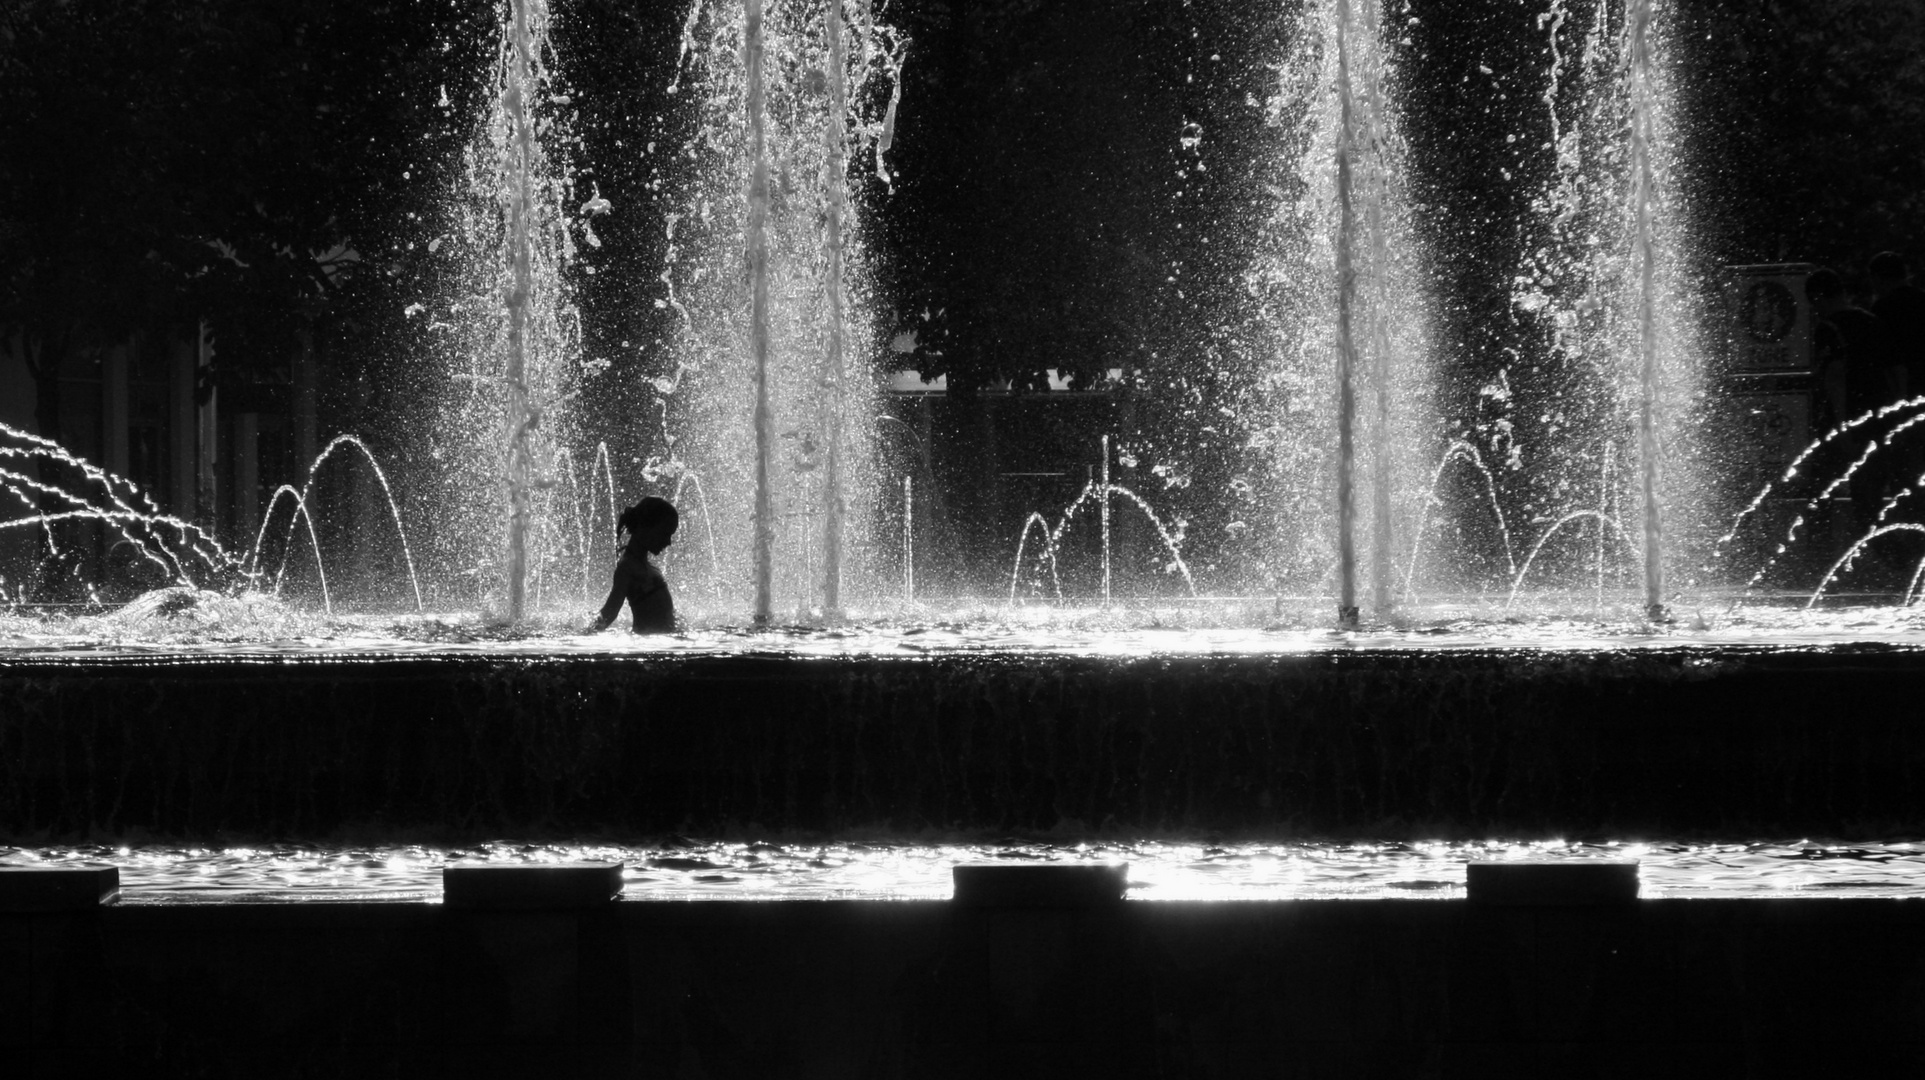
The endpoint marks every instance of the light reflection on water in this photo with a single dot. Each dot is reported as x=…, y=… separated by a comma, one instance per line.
x=1159, y=870
x=213, y=626
x=1165, y=870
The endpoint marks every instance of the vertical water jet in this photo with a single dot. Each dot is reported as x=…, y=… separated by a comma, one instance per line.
x=764, y=387
x=1105, y=506
x=1346, y=342
x=506, y=334
x=835, y=181
x=1339, y=288
x=1376, y=192
x=1611, y=276
x=762, y=545
x=515, y=99
x=1643, y=196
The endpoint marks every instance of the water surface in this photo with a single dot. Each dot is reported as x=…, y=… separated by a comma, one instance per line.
x=214, y=626
x=890, y=870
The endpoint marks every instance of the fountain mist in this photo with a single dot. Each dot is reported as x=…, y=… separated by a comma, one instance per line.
x=1341, y=218
x=1606, y=380
x=180, y=551
x=512, y=337
x=763, y=418
x=1643, y=197
x=517, y=92
x=770, y=400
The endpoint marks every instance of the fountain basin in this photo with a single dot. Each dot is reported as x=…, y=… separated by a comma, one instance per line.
x=1383, y=741
x=678, y=869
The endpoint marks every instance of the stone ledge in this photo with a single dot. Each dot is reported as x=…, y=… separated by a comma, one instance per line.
x=516, y=887
x=57, y=888
x=1529, y=882
x=1020, y=885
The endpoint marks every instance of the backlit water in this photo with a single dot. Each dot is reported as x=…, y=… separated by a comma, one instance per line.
x=256, y=625
x=892, y=870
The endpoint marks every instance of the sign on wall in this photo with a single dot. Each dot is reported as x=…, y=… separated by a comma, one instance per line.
x=1772, y=330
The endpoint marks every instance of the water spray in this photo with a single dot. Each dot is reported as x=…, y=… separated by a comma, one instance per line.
x=1644, y=197
x=522, y=417
x=762, y=545
x=1347, y=614
x=835, y=168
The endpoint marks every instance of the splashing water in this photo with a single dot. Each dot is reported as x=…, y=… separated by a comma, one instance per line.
x=1100, y=491
x=299, y=513
x=1467, y=453
x=762, y=536
x=909, y=540
x=835, y=169
x=303, y=503
x=185, y=552
x=1603, y=377
x=189, y=557
x=1036, y=521
x=1841, y=480
x=1605, y=522
x=1851, y=554
x=772, y=395
x=512, y=352
x=685, y=479
x=1643, y=198
x=1340, y=216
x=1797, y=463
x=791, y=97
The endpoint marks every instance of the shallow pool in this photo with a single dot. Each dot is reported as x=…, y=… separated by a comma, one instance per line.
x=1159, y=870
x=254, y=626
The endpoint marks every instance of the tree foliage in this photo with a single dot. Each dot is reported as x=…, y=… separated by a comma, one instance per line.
x=218, y=159
x=1811, y=127
x=243, y=163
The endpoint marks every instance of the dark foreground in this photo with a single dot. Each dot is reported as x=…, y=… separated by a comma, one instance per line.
x=1407, y=743
x=1403, y=989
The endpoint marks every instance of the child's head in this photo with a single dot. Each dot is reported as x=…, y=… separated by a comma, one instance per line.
x=651, y=522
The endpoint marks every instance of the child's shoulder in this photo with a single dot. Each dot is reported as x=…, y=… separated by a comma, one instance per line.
x=640, y=568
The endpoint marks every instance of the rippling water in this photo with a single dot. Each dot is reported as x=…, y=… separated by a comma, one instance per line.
x=213, y=625
x=1159, y=870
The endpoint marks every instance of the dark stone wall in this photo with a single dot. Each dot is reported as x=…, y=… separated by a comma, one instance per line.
x=1405, y=743
x=1403, y=989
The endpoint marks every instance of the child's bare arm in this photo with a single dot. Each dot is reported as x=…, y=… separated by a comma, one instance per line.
x=616, y=594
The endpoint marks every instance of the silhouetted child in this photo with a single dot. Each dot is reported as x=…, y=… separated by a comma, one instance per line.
x=650, y=524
